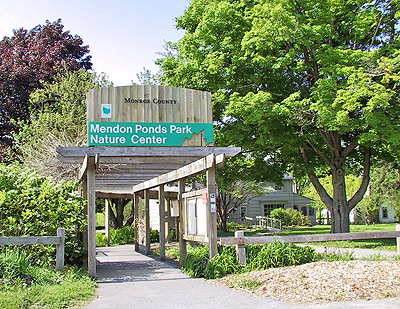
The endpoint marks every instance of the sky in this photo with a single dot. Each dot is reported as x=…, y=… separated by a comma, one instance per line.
x=123, y=35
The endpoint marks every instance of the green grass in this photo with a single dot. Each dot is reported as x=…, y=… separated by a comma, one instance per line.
x=71, y=289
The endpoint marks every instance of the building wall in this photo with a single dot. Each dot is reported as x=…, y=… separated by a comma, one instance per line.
x=283, y=196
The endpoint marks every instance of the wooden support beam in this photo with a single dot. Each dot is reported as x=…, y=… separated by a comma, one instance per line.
x=91, y=195
x=229, y=241
x=107, y=221
x=136, y=216
x=161, y=204
x=76, y=154
x=212, y=211
x=191, y=169
x=182, y=241
x=84, y=167
x=147, y=220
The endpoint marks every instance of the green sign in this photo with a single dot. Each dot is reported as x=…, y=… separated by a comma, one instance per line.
x=145, y=133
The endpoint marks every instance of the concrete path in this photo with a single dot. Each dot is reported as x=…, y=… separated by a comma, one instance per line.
x=131, y=280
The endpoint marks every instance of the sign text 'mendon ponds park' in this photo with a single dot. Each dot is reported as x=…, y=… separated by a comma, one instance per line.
x=145, y=134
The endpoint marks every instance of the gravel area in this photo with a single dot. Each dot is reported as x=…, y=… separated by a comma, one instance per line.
x=322, y=282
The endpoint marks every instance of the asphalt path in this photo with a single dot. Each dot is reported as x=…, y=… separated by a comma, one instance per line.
x=128, y=279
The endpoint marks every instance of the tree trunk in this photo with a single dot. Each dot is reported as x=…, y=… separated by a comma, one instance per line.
x=340, y=205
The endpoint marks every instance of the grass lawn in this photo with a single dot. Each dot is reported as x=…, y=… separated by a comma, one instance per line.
x=70, y=289
x=379, y=244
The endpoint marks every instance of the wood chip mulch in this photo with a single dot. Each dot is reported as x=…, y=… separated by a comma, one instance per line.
x=322, y=282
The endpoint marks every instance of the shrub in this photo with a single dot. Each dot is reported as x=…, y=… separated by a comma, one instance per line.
x=233, y=226
x=223, y=263
x=195, y=262
x=154, y=236
x=122, y=236
x=33, y=205
x=290, y=216
x=278, y=254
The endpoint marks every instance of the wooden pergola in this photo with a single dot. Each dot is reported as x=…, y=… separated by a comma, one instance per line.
x=133, y=172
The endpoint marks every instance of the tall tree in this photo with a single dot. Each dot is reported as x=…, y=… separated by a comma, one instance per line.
x=313, y=85
x=28, y=59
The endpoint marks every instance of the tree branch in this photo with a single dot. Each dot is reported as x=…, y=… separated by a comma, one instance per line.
x=320, y=154
x=350, y=148
x=326, y=199
x=358, y=196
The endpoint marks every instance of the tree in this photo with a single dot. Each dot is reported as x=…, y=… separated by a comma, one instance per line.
x=230, y=197
x=58, y=118
x=145, y=77
x=311, y=85
x=28, y=60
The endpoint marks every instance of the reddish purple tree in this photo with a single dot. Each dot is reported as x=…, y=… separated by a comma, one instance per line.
x=27, y=60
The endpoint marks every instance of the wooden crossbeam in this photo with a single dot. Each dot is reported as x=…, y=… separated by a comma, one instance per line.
x=118, y=154
x=229, y=241
x=191, y=169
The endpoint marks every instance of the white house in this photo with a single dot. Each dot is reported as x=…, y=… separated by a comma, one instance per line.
x=283, y=196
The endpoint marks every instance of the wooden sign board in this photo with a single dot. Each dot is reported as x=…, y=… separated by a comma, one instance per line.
x=158, y=108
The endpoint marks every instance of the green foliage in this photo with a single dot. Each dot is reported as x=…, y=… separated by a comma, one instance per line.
x=33, y=205
x=306, y=85
x=223, y=263
x=42, y=287
x=13, y=264
x=58, y=119
x=278, y=255
x=259, y=257
x=234, y=226
x=290, y=217
x=195, y=262
x=154, y=236
x=121, y=236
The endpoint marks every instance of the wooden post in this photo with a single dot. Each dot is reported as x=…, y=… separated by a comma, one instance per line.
x=91, y=194
x=212, y=211
x=182, y=241
x=60, y=251
x=107, y=221
x=168, y=221
x=85, y=228
x=136, y=216
x=161, y=201
x=241, y=249
x=398, y=239
x=147, y=214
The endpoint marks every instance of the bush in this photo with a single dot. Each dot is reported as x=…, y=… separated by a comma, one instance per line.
x=33, y=205
x=278, y=254
x=122, y=236
x=154, y=236
x=233, y=226
x=195, y=262
x=290, y=217
x=223, y=263
x=259, y=257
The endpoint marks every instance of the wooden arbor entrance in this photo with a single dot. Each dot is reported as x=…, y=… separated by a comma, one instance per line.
x=137, y=171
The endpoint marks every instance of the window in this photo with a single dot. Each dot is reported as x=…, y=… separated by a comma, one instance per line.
x=384, y=213
x=243, y=211
x=278, y=188
x=311, y=211
x=270, y=207
x=304, y=210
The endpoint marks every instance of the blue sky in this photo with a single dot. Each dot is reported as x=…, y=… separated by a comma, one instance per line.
x=124, y=36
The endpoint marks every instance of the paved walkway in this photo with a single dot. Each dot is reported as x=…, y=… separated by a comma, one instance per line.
x=131, y=280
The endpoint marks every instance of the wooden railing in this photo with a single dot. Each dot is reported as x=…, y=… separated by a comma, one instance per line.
x=267, y=222
x=58, y=240
x=240, y=240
